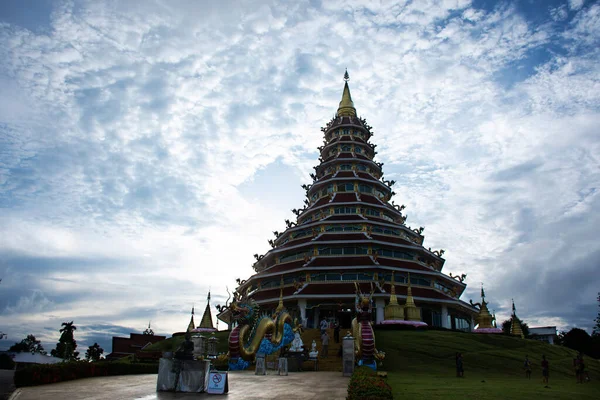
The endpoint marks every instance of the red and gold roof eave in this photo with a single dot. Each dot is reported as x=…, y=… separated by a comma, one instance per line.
x=346, y=219
x=356, y=263
x=346, y=290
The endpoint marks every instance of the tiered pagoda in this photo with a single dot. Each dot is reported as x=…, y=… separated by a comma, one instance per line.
x=484, y=320
x=347, y=232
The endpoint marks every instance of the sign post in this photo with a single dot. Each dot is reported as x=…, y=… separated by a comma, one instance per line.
x=218, y=383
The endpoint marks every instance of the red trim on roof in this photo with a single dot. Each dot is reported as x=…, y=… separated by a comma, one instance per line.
x=345, y=174
x=393, y=262
x=344, y=197
x=366, y=198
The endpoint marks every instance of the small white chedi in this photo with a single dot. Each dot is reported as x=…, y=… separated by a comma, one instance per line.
x=313, y=350
x=297, y=345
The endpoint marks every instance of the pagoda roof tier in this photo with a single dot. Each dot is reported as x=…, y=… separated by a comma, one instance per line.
x=366, y=198
x=345, y=174
x=332, y=261
x=344, y=197
x=344, y=139
x=393, y=239
x=341, y=236
x=348, y=159
x=347, y=290
x=346, y=122
x=346, y=217
x=273, y=293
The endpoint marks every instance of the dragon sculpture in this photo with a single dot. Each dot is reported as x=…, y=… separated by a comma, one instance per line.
x=255, y=332
x=364, y=337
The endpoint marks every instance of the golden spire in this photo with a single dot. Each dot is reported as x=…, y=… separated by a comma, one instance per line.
x=191, y=325
x=413, y=313
x=393, y=299
x=515, y=326
x=410, y=302
x=206, y=321
x=484, y=318
x=280, y=305
x=393, y=311
x=346, y=108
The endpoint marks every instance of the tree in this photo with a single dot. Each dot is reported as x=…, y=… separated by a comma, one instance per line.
x=507, y=324
x=65, y=348
x=94, y=352
x=28, y=345
x=577, y=339
x=596, y=331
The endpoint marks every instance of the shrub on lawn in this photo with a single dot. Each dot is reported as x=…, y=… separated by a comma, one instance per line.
x=6, y=361
x=40, y=374
x=366, y=385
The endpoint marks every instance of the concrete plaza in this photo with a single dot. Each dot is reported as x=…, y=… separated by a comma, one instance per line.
x=242, y=385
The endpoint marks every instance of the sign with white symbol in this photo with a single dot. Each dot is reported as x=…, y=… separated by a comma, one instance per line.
x=217, y=383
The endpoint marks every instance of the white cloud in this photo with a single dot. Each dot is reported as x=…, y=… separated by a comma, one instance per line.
x=132, y=133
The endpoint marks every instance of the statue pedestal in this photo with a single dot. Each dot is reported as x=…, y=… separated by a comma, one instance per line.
x=282, y=367
x=261, y=367
x=348, y=355
x=182, y=375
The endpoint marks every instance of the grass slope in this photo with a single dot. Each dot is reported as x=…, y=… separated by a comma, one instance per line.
x=421, y=365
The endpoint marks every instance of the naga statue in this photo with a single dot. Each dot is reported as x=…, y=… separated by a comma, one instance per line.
x=364, y=337
x=256, y=332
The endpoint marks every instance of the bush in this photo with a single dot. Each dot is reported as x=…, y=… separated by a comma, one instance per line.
x=6, y=361
x=366, y=385
x=40, y=374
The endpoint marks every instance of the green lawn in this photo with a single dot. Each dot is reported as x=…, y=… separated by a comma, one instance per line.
x=421, y=365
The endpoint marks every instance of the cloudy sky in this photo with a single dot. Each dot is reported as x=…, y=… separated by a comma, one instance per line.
x=149, y=148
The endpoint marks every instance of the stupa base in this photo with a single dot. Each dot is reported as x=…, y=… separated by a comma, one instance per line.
x=488, y=330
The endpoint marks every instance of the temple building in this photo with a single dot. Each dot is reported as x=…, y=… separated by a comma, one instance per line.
x=348, y=231
x=206, y=323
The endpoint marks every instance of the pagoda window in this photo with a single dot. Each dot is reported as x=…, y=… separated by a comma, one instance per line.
x=387, y=217
x=346, y=147
x=379, y=193
x=441, y=287
x=417, y=280
x=370, y=211
x=364, y=276
x=345, y=210
x=295, y=256
x=358, y=150
x=346, y=131
x=365, y=189
x=317, y=277
x=314, y=197
x=361, y=167
x=333, y=277
x=349, y=277
x=345, y=167
x=345, y=187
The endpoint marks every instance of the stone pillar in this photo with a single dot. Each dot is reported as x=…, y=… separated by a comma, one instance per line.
x=316, y=319
x=380, y=306
x=302, y=308
x=445, y=317
x=472, y=324
x=348, y=355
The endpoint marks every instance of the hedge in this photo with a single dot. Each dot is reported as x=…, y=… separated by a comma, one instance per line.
x=366, y=385
x=40, y=374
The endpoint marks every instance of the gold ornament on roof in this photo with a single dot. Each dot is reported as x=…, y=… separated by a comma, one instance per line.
x=346, y=108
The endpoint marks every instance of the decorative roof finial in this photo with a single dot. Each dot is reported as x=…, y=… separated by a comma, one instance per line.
x=482, y=292
x=513, y=306
x=346, y=108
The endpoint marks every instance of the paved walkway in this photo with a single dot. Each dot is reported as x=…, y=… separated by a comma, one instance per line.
x=242, y=385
